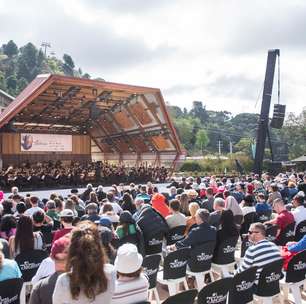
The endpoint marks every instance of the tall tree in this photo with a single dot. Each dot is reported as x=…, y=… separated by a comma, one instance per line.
x=202, y=139
x=10, y=49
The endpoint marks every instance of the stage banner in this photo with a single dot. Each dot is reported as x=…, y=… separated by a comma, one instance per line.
x=45, y=142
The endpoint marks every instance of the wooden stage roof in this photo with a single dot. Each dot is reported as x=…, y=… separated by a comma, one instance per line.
x=120, y=119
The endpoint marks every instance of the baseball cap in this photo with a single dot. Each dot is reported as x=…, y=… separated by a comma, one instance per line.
x=66, y=213
x=59, y=246
x=104, y=221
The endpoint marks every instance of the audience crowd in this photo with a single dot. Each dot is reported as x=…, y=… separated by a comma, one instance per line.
x=95, y=241
x=55, y=175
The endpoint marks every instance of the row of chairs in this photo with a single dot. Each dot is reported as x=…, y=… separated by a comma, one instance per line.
x=238, y=289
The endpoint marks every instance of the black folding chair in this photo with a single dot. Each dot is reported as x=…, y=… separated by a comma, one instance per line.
x=287, y=235
x=174, y=271
x=185, y=297
x=199, y=263
x=264, y=216
x=224, y=257
x=245, y=244
x=268, y=283
x=215, y=292
x=271, y=232
x=300, y=231
x=154, y=244
x=242, y=288
x=175, y=234
x=150, y=266
x=10, y=291
x=28, y=263
x=248, y=219
x=295, y=276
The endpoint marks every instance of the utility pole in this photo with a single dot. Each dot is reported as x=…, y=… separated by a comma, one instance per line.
x=219, y=146
x=231, y=147
x=45, y=45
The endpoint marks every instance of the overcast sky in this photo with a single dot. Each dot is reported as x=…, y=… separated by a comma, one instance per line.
x=209, y=50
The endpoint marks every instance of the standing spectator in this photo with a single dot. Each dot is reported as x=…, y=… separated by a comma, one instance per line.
x=100, y=193
x=92, y=213
x=87, y=278
x=8, y=268
x=66, y=217
x=176, y=218
x=51, y=211
x=7, y=206
x=34, y=200
x=108, y=211
x=191, y=220
x=283, y=218
x=131, y=285
x=42, y=292
x=262, y=252
x=25, y=238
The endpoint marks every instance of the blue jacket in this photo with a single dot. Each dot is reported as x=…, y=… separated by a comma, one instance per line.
x=299, y=246
x=197, y=236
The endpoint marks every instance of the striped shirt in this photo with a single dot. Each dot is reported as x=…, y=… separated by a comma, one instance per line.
x=260, y=254
x=131, y=290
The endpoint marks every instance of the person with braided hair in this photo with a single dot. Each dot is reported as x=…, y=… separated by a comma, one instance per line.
x=87, y=277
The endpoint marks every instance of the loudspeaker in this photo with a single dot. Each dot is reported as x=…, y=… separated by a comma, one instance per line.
x=278, y=116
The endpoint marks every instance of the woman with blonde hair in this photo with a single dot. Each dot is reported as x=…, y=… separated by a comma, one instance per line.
x=191, y=220
x=184, y=200
x=87, y=278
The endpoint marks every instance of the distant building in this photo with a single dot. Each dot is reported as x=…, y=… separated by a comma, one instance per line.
x=5, y=100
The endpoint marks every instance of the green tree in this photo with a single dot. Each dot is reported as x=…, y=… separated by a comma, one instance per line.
x=244, y=145
x=11, y=82
x=202, y=139
x=68, y=65
x=10, y=49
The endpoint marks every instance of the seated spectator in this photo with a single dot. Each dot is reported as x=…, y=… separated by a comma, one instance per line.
x=209, y=202
x=298, y=246
x=176, y=218
x=42, y=223
x=93, y=198
x=127, y=203
x=7, y=207
x=194, y=196
x=78, y=205
x=59, y=205
x=91, y=213
x=143, y=194
x=108, y=211
x=131, y=285
x=8, y=226
x=299, y=212
x=292, y=189
x=42, y=292
x=191, y=220
x=262, y=205
x=184, y=201
x=248, y=205
x=5, y=248
x=199, y=235
x=20, y=210
x=66, y=218
x=70, y=204
x=105, y=228
x=214, y=217
x=88, y=279
x=283, y=218
x=25, y=238
x=34, y=200
x=128, y=232
x=51, y=211
x=228, y=228
x=232, y=204
x=100, y=193
x=8, y=268
x=262, y=252
x=159, y=204
x=173, y=193
x=274, y=193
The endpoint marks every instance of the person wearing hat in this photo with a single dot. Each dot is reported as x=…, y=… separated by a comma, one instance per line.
x=92, y=213
x=128, y=232
x=131, y=285
x=66, y=217
x=50, y=268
